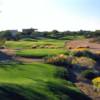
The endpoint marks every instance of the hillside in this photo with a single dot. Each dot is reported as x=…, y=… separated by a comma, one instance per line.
x=47, y=70
x=36, y=81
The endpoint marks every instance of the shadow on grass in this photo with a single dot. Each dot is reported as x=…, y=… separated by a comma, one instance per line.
x=58, y=90
x=15, y=92
x=9, y=93
x=66, y=93
x=8, y=60
x=4, y=56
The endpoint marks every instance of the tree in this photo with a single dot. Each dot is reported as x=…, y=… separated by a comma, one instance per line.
x=2, y=42
x=2, y=39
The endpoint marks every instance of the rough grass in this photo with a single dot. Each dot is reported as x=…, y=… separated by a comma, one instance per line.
x=39, y=52
x=35, y=81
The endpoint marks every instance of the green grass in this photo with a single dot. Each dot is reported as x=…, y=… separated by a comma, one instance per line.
x=29, y=44
x=40, y=42
x=72, y=37
x=39, y=52
x=35, y=81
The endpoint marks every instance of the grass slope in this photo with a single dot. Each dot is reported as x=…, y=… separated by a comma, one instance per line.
x=36, y=81
x=59, y=43
x=29, y=44
x=39, y=52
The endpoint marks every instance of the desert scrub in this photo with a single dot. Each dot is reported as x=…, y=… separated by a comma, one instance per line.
x=69, y=53
x=96, y=40
x=60, y=60
x=88, y=54
x=82, y=53
x=96, y=83
x=84, y=61
x=89, y=74
x=97, y=53
x=80, y=49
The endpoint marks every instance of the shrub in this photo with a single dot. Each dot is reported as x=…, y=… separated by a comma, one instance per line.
x=84, y=61
x=89, y=74
x=2, y=42
x=80, y=49
x=81, y=53
x=96, y=39
x=60, y=60
x=96, y=82
x=88, y=54
x=69, y=53
x=97, y=53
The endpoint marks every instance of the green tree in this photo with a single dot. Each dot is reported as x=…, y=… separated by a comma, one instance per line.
x=2, y=42
x=2, y=39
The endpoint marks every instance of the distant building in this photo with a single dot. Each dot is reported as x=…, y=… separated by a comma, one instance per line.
x=13, y=32
x=28, y=31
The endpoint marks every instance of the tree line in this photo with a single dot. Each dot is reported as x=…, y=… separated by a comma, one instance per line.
x=35, y=34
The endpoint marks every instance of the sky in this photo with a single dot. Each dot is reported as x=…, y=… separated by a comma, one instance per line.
x=46, y=15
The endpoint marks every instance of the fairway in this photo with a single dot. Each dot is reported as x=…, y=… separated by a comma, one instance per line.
x=39, y=53
x=49, y=50
x=28, y=44
x=35, y=81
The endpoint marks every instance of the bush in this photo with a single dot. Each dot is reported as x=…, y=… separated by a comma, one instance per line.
x=89, y=74
x=88, y=54
x=2, y=42
x=82, y=53
x=84, y=62
x=96, y=39
x=60, y=60
x=80, y=49
x=96, y=82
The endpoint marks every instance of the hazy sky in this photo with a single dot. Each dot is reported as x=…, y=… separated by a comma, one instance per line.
x=50, y=14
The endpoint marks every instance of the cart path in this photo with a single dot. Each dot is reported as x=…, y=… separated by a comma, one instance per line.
x=12, y=52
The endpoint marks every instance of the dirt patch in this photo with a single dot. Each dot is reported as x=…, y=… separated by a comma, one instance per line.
x=28, y=60
x=8, y=51
x=94, y=47
x=88, y=90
